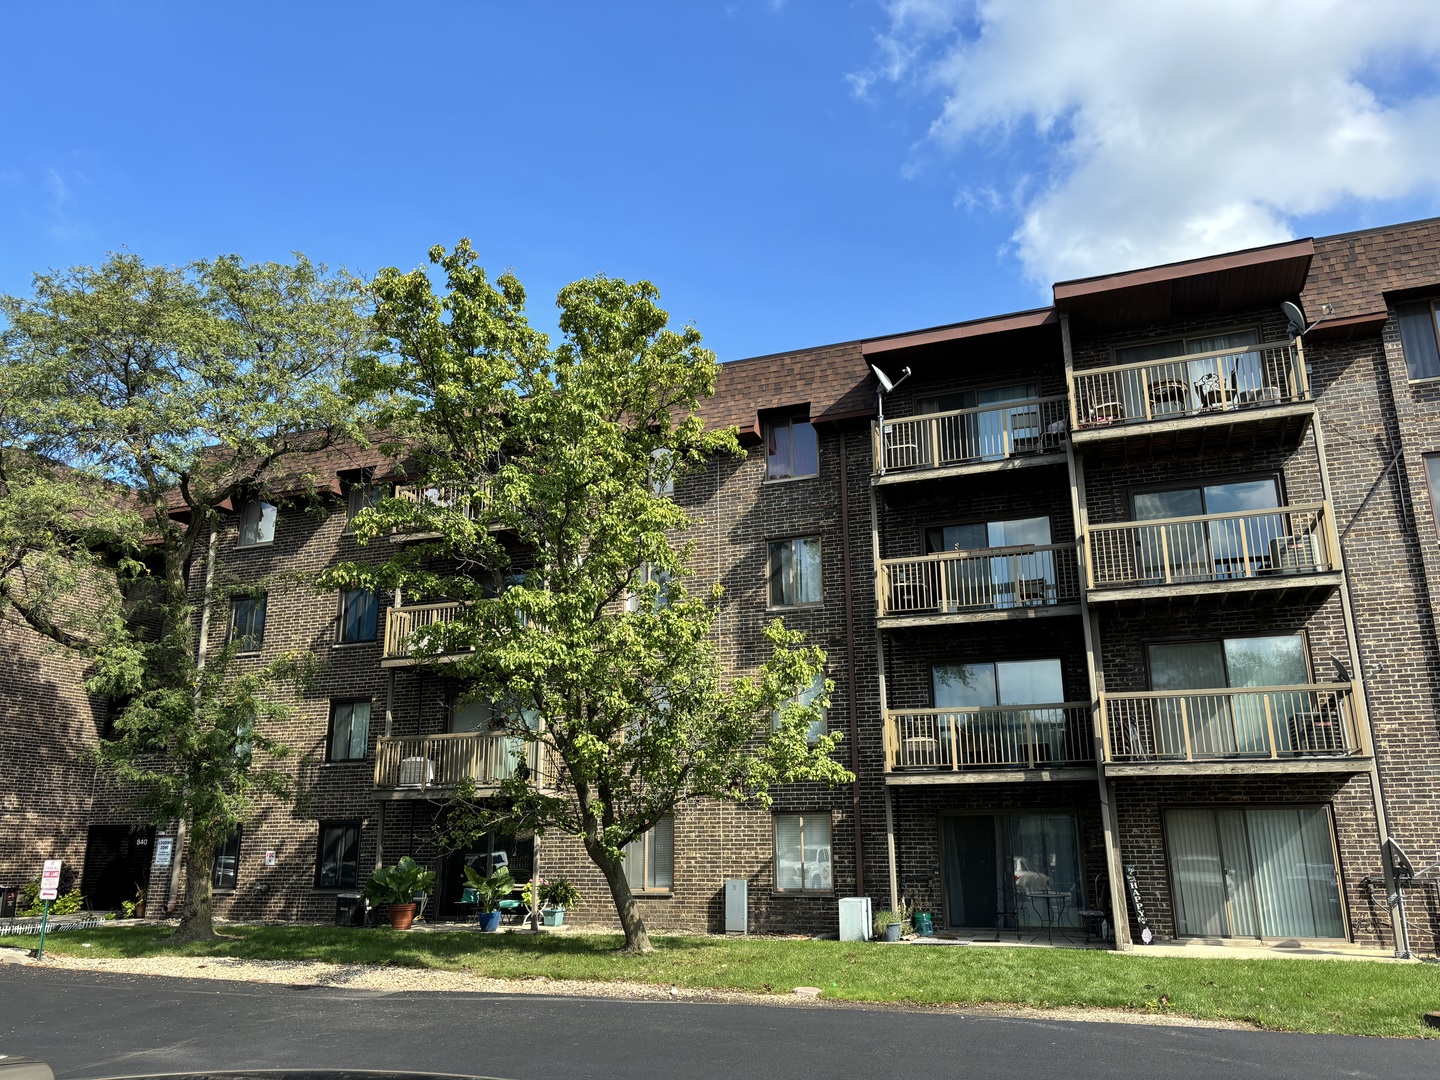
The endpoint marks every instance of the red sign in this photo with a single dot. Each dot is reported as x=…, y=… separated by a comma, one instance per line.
x=50, y=880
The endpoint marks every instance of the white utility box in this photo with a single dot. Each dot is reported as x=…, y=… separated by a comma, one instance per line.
x=856, y=920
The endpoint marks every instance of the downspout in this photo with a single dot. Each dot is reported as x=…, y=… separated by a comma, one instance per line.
x=850, y=664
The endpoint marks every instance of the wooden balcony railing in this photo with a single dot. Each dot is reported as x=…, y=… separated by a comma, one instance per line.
x=991, y=579
x=1276, y=722
x=425, y=763
x=970, y=436
x=405, y=628
x=1181, y=386
x=466, y=498
x=1000, y=737
x=1253, y=544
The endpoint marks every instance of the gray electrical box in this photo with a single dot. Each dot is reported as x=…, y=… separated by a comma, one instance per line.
x=737, y=905
x=855, y=918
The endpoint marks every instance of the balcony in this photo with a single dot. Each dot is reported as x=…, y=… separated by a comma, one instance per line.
x=983, y=585
x=430, y=766
x=984, y=439
x=1198, y=403
x=463, y=498
x=1289, y=548
x=1308, y=728
x=405, y=643
x=988, y=745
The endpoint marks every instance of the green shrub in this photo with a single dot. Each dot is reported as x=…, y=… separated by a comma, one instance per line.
x=64, y=904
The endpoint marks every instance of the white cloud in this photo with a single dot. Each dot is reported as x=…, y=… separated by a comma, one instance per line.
x=1166, y=129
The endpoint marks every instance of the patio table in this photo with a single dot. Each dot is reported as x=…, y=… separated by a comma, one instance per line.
x=1050, y=916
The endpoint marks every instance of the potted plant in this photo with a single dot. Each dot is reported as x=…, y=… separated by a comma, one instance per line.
x=490, y=890
x=555, y=897
x=888, y=925
x=396, y=886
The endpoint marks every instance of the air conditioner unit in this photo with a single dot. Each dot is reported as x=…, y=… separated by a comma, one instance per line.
x=416, y=772
x=1297, y=554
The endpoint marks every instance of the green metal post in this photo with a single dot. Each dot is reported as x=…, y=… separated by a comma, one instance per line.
x=44, y=921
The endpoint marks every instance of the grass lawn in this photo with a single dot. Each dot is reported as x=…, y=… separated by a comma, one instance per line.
x=1334, y=996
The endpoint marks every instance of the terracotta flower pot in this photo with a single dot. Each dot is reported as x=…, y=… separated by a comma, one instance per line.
x=401, y=915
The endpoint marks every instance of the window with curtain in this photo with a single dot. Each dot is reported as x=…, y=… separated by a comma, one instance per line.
x=227, y=862
x=337, y=865
x=359, y=497
x=987, y=435
x=795, y=572
x=650, y=859
x=349, y=730
x=1254, y=871
x=999, y=581
x=247, y=623
x=802, y=853
x=1418, y=340
x=1432, y=483
x=807, y=697
x=1232, y=547
x=792, y=449
x=359, y=616
x=1230, y=724
x=1170, y=383
x=257, y=523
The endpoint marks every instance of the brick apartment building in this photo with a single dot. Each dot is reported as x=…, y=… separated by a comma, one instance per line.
x=1128, y=596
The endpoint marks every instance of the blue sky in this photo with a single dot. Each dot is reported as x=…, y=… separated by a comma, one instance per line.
x=788, y=173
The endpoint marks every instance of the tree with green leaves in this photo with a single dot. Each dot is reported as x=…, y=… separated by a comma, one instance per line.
x=550, y=521
x=139, y=405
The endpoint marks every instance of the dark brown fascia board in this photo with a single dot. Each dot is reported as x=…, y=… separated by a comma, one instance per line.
x=1154, y=275
x=1350, y=327
x=995, y=324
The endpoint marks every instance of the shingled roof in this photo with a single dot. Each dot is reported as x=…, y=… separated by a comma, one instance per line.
x=1354, y=271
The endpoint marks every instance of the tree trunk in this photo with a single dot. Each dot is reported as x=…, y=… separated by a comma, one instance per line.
x=197, y=915
x=637, y=939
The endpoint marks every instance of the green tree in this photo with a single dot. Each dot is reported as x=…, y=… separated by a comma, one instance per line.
x=140, y=405
x=554, y=460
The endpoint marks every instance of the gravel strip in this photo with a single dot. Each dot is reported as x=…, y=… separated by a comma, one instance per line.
x=392, y=979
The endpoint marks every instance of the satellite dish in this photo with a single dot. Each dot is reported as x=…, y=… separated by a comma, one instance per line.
x=1342, y=673
x=886, y=385
x=1296, y=317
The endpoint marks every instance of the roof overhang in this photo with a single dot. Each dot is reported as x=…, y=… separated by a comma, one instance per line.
x=1198, y=287
x=977, y=328
x=1349, y=328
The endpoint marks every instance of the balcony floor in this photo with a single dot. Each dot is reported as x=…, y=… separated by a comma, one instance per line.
x=975, y=615
x=1338, y=763
x=916, y=777
x=1277, y=588
x=973, y=468
x=1253, y=429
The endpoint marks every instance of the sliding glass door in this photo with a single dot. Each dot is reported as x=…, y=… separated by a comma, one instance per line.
x=999, y=581
x=1265, y=872
x=996, y=735
x=1013, y=870
x=1209, y=550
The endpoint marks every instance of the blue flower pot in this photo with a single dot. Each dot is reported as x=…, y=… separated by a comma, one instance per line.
x=553, y=916
x=490, y=921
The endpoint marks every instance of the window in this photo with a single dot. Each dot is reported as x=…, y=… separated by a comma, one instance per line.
x=791, y=450
x=807, y=696
x=338, y=863
x=1432, y=480
x=358, y=613
x=1417, y=339
x=989, y=434
x=247, y=623
x=359, y=497
x=802, y=852
x=471, y=716
x=1240, y=545
x=795, y=572
x=646, y=575
x=1012, y=870
x=349, y=730
x=245, y=740
x=1236, y=724
x=662, y=471
x=1014, y=579
x=1007, y=713
x=227, y=862
x=1228, y=370
x=257, y=523
x=650, y=859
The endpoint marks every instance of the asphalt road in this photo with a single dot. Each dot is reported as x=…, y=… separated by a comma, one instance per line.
x=88, y=1025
